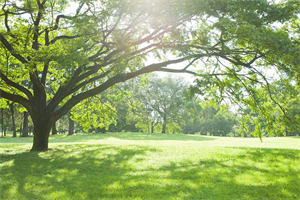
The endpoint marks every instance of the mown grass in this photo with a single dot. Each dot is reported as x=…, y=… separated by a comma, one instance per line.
x=143, y=166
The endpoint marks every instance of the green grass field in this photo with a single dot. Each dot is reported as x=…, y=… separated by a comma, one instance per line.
x=141, y=166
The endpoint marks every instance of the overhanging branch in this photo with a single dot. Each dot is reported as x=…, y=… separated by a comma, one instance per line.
x=248, y=65
x=111, y=82
x=15, y=85
x=63, y=37
x=9, y=47
x=15, y=98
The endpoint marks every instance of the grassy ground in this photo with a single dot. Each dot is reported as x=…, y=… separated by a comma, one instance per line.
x=141, y=166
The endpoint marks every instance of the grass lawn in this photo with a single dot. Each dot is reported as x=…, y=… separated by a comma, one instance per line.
x=141, y=166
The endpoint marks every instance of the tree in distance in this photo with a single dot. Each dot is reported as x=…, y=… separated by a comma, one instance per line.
x=161, y=102
x=52, y=57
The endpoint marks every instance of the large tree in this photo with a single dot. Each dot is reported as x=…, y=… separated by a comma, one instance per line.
x=56, y=54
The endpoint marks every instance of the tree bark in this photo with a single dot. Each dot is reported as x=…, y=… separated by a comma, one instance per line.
x=11, y=106
x=42, y=127
x=25, y=125
x=71, y=126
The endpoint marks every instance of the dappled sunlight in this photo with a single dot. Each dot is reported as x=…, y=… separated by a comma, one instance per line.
x=128, y=171
x=243, y=176
x=83, y=173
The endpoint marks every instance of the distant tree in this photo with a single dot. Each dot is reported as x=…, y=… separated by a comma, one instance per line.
x=54, y=130
x=207, y=118
x=162, y=101
x=71, y=126
x=13, y=120
x=191, y=116
x=5, y=116
x=3, y=127
x=124, y=100
x=219, y=125
x=25, y=125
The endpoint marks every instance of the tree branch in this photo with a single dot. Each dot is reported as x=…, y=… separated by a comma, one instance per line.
x=15, y=85
x=111, y=82
x=15, y=98
x=84, y=83
x=58, y=19
x=248, y=65
x=9, y=47
x=36, y=22
x=46, y=64
x=63, y=37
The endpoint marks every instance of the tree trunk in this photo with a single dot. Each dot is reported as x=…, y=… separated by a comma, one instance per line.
x=42, y=124
x=71, y=126
x=11, y=106
x=42, y=127
x=25, y=125
x=152, y=126
x=54, y=130
x=164, y=124
x=2, y=122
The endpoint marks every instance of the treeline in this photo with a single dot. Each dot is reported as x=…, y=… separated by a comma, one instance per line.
x=15, y=121
x=172, y=106
x=148, y=104
x=166, y=106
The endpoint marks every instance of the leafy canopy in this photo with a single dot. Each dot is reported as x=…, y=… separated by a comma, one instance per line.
x=52, y=57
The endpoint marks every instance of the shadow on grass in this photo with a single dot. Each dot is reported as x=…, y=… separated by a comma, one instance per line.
x=64, y=174
x=106, y=172
x=254, y=174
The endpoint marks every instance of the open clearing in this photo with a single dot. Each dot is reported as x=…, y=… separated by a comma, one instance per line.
x=143, y=166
